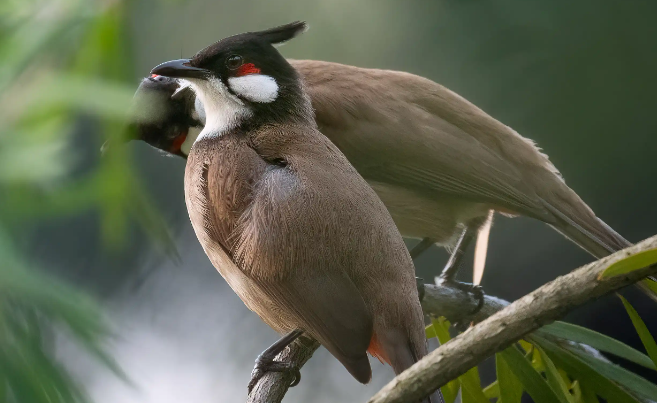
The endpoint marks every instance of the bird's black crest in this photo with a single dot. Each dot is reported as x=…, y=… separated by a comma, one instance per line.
x=283, y=33
x=273, y=36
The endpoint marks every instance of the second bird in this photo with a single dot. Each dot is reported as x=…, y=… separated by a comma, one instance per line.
x=438, y=162
x=293, y=228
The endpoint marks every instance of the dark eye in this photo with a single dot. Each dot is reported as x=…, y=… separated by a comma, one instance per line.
x=234, y=62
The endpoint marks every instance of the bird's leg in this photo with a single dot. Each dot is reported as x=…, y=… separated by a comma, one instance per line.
x=417, y=250
x=424, y=244
x=454, y=264
x=265, y=361
x=456, y=258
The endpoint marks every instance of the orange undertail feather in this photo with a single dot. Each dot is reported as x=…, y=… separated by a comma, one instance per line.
x=376, y=350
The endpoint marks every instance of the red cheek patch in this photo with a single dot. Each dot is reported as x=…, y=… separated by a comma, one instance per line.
x=177, y=143
x=154, y=75
x=246, y=69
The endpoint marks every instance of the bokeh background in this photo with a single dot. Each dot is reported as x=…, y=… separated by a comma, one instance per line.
x=577, y=77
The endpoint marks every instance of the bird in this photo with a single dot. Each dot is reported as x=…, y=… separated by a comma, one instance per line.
x=296, y=232
x=166, y=117
x=440, y=164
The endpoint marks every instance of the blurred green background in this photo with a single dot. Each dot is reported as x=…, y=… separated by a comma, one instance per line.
x=577, y=77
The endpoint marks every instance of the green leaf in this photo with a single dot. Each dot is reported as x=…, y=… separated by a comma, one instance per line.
x=652, y=285
x=630, y=263
x=430, y=332
x=58, y=301
x=583, y=394
x=631, y=381
x=596, y=340
x=577, y=391
x=451, y=390
x=555, y=380
x=531, y=380
x=440, y=328
x=492, y=391
x=584, y=372
x=646, y=338
x=113, y=98
x=43, y=90
x=510, y=388
x=534, y=356
x=588, y=395
x=471, y=391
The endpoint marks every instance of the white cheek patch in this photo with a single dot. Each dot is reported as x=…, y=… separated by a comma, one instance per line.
x=255, y=87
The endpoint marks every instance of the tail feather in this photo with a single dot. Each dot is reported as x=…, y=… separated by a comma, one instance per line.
x=437, y=395
x=590, y=233
x=401, y=353
x=594, y=236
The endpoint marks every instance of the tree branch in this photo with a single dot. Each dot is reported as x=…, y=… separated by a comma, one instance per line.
x=273, y=386
x=525, y=315
x=455, y=304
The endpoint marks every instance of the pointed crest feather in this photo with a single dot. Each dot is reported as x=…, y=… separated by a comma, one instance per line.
x=281, y=34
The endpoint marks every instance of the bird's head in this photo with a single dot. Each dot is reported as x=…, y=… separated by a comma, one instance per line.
x=165, y=116
x=243, y=78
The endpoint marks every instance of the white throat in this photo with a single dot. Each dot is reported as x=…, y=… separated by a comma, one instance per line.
x=223, y=110
x=220, y=110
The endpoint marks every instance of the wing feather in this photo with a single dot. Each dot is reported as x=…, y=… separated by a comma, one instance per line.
x=292, y=240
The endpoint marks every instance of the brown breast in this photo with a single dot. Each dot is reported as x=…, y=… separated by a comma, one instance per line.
x=226, y=170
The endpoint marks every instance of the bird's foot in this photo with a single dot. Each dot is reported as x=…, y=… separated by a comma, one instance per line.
x=475, y=290
x=264, y=364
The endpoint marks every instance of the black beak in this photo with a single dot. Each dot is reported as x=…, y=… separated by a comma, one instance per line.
x=180, y=68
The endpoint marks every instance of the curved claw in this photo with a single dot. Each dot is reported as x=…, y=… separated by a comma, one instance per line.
x=479, y=295
x=254, y=381
x=274, y=366
x=477, y=292
x=297, y=377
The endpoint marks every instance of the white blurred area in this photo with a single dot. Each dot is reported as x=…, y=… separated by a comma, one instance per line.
x=184, y=336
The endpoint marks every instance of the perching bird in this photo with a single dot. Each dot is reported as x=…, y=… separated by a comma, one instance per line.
x=293, y=228
x=437, y=161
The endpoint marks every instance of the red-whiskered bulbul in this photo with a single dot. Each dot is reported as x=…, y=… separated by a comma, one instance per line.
x=437, y=161
x=293, y=228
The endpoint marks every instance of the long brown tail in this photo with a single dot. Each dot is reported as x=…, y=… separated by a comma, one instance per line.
x=400, y=352
x=592, y=235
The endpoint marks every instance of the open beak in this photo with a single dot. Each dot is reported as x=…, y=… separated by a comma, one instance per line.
x=180, y=68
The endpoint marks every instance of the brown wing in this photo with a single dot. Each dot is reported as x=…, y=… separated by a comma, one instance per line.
x=272, y=226
x=295, y=243
x=464, y=152
x=403, y=129
x=332, y=310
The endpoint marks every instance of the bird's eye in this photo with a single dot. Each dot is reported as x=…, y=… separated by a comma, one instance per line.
x=234, y=62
